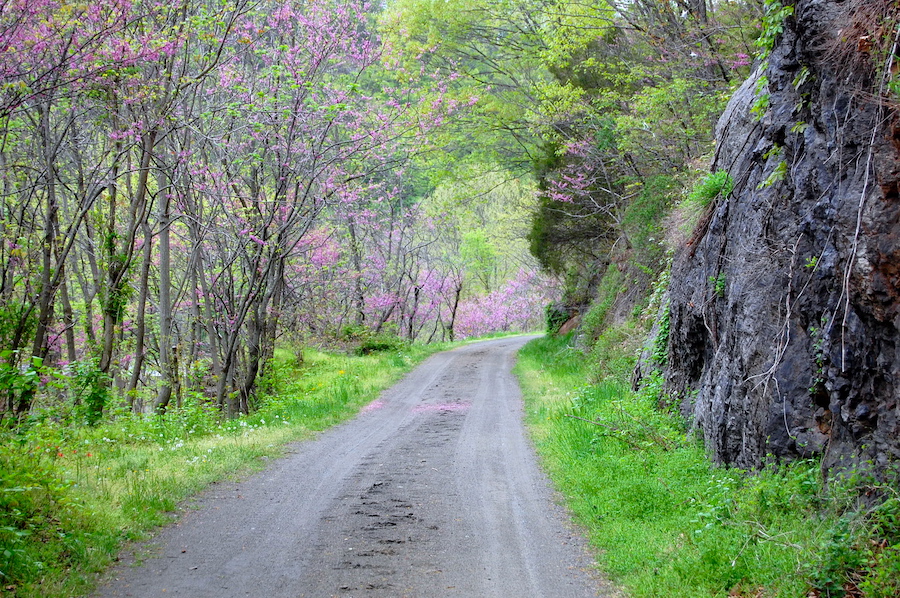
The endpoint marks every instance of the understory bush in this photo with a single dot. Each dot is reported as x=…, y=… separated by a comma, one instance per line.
x=607, y=291
x=381, y=342
x=557, y=315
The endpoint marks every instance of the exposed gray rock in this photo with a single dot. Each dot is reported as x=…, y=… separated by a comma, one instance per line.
x=798, y=353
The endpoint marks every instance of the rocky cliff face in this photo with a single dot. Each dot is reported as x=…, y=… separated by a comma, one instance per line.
x=785, y=306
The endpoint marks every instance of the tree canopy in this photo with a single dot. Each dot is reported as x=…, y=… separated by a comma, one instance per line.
x=184, y=185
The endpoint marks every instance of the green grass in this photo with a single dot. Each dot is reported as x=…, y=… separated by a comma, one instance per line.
x=70, y=494
x=666, y=522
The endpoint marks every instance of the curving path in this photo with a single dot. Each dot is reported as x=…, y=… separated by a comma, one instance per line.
x=432, y=491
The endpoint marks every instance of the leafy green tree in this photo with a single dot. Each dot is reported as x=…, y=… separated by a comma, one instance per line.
x=606, y=104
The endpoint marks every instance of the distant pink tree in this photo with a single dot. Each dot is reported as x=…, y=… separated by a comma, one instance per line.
x=518, y=306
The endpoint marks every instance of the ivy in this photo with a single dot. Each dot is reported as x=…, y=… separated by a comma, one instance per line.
x=761, y=105
x=776, y=176
x=719, y=284
x=661, y=342
x=774, y=16
x=773, y=20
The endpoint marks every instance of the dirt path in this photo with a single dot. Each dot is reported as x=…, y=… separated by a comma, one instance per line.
x=432, y=491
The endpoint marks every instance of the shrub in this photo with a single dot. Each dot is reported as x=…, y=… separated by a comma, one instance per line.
x=90, y=387
x=557, y=315
x=34, y=504
x=608, y=290
x=377, y=343
x=713, y=185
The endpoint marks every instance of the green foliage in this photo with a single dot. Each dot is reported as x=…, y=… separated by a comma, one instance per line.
x=681, y=109
x=582, y=92
x=608, y=290
x=41, y=527
x=556, y=316
x=660, y=353
x=801, y=77
x=776, y=176
x=839, y=556
x=481, y=214
x=657, y=312
x=883, y=580
x=643, y=219
x=719, y=283
x=367, y=341
x=658, y=293
x=379, y=343
x=702, y=194
x=761, y=104
x=355, y=332
x=461, y=36
x=712, y=186
x=480, y=257
x=613, y=353
x=90, y=388
x=818, y=337
x=799, y=127
x=18, y=319
x=560, y=242
x=860, y=545
x=18, y=380
x=774, y=14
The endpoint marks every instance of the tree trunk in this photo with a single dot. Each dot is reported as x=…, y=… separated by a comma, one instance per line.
x=121, y=257
x=211, y=332
x=165, y=301
x=359, y=298
x=68, y=321
x=47, y=289
x=141, y=319
x=453, y=309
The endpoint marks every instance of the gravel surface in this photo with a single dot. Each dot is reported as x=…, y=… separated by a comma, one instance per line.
x=432, y=491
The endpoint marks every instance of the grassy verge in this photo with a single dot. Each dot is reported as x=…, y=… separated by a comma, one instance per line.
x=70, y=494
x=666, y=522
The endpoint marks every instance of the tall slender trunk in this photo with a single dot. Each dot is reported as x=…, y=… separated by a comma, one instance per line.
x=141, y=319
x=271, y=331
x=165, y=300
x=224, y=399
x=453, y=309
x=359, y=299
x=260, y=327
x=195, y=331
x=255, y=327
x=121, y=257
x=89, y=288
x=209, y=311
x=68, y=321
x=47, y=289
x=410, y=327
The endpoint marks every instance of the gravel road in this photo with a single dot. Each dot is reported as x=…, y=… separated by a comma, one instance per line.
x=432, y=491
